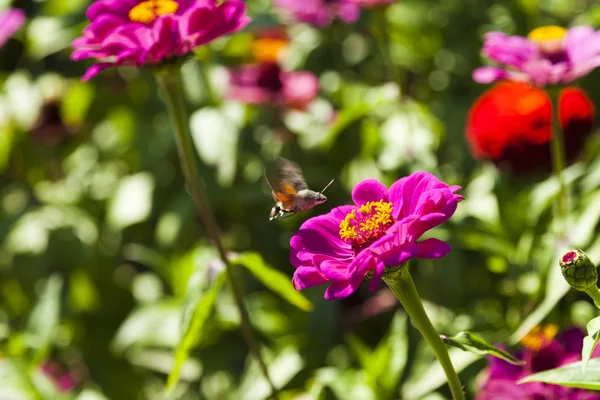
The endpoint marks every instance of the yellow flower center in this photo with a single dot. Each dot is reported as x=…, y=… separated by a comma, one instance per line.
x=266, y=50
x=366, y=224
x=147, y=11
x=539, y=336
x=549, y=38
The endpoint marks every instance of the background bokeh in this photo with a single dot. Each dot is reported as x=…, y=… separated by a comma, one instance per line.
x=100, y=243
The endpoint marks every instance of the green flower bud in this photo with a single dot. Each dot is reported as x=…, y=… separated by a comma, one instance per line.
x=579, y=271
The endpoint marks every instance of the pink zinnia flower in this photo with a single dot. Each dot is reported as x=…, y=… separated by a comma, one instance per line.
x=135, y=32
x=267, y=83
x=320, y=13
x=381, y=230
x=541, y=352
x=550, y=55
x=11, y=21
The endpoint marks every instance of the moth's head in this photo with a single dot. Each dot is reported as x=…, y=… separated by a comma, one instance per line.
x=320, y=198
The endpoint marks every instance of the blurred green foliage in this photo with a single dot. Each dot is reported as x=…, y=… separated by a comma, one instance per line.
x=103, y=260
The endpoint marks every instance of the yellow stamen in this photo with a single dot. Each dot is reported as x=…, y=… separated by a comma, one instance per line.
x=147, y=11
x=539, y=336
x=549, y=38
x=268, y=49
x=367, y=224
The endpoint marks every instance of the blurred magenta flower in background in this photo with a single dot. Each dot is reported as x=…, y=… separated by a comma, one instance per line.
x=267, y=83
x=549, y=55
x=320, y=13
x=64, y=381
x=511, y=125
x=134, y=32
x=11, y=21
x=380, y=230
x=541, y=352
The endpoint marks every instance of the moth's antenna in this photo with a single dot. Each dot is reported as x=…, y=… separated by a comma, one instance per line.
x=329, y=184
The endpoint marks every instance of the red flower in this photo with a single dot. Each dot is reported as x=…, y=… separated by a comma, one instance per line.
x=511, y=124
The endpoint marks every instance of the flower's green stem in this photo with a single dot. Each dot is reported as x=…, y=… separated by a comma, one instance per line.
x=558, y=165
x=169, y=82
x=594, y=293
x=403, y=287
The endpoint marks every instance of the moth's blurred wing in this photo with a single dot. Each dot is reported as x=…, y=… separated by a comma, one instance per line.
x=290, y=174
x=288, y=201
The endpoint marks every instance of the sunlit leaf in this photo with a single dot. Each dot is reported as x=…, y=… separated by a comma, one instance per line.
x=44, y=319
x=344, y=383
x=190, y=336
x=570, y=375
x=281, y=367
x=215, y=132
x=469, y=342
x=132, y=202
x=590, y=342
x=156, y=325
x=273, y=279
x=14, y=383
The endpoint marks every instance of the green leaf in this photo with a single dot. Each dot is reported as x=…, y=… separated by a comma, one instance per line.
x=469, y=342
x=153, y=325
x=282, y=367
x=44, y=319
x=14, y=382
x=570, y=375
x=191, y=333
x=344, y=383
x=273, y=279
x=384, y=365
x=590, y=342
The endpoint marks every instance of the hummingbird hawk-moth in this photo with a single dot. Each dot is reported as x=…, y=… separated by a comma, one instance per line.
x=290, y=191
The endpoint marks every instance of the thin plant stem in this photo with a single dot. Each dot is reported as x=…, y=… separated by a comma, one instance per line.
x=171, y=87
x=384, y=40
x=402, y=285
x=558, y=166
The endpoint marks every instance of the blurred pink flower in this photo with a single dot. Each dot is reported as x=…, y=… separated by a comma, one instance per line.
x=135, y=32
x=550, y=55
x=541, y=352
x=320, y=13
x=65, y=382
x=267, y=83
x=11, y=21
x=381, y=230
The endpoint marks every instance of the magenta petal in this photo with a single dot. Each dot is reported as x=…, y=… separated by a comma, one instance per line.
x=369, y=190
x=341, y=290
x=10, y=22
x=406, y=193
x=95, y=70
x=395, y=254
x=377, y=274
x=299, y=88
x=305, y=277
x=489, y=74
x=432, y=248
x=334, y=270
